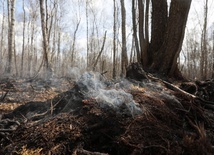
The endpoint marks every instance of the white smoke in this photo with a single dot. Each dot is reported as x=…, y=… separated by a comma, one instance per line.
x=74, y=73
x=94, y=86
x=156, y=90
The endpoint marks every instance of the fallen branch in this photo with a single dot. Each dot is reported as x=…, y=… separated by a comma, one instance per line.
x=85, y=152
x=3, y=96
x=206, y=104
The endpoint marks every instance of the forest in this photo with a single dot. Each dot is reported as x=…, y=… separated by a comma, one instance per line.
x=95, y=77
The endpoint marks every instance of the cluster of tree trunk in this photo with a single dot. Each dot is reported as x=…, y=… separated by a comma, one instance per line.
x=167, y=34
x=157, y=51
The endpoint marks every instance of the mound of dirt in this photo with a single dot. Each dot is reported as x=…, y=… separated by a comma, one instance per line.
x=138, y=117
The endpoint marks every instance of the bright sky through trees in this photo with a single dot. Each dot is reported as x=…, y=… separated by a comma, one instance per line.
x=102, y=12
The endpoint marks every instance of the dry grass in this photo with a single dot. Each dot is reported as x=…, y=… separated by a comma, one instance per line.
x=26, y=151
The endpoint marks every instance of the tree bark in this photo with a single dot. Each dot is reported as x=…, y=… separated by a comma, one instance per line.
x=147, y=30
x=141, y=31
x=23, y=39
x=204, y=52
x=124, y=57
x=87, y=34
x=165, y=59
x=74, y=41
x=11, y=23
x=135, y=32
x=44, y=34
x=114, y=42
x=158, y=27
x=2, y=37
x=101, y=50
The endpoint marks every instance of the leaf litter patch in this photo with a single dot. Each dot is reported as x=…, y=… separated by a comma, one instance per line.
x=97, y=116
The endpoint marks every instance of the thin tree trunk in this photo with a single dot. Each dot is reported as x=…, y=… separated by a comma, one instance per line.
x=213, y=56
x=135, y=38
x=23, y=39
x=204, y=43
x=31, y=44
x=28, y=51
x=74, y=41
x=87, y=46
x=11, y=23
x=58, y=48
x=141, y=30
x=44, y=34
x=2, y=37
x=124, y=57
x=147, y=31
x=15, y=60
x=114, y=43
x=54, y=41
x=101, y=50
x=132, y=51
x=49, y=28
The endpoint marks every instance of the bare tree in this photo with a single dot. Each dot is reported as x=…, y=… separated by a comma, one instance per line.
x=135, y=38
x=74, y=40
x=87, y=34
x=101, y=50
x=142, y=31
x=204, y=51
x=114, y=41
x=23, y=39
x=2, y=35
x=124, y=57
x=167, y=36
x=11, y=24
x=158, y=28
x=44, y=34
x=212, y=75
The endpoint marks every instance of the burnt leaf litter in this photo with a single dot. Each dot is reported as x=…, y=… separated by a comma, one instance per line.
x=92, y=115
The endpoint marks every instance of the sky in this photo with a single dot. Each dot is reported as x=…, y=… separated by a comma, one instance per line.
x=197, y=12
x=104, y=14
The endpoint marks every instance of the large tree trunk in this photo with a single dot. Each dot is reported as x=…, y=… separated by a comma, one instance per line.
x=158, y=27
x=167, y=50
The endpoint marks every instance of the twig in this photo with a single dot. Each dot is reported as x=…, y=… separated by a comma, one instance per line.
x=3, y=97
x=85, y=152
x=132, y=122
x=7, y=130
x=199, y=128
x=104, y=73
x=51, y=110
x=157, y=146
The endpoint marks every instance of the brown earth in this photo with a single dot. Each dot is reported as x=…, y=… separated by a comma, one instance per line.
x=70, y=122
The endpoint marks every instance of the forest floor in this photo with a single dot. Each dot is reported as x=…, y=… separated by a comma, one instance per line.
x=97, y=116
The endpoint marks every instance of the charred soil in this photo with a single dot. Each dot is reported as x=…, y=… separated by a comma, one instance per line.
x=77, y=121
